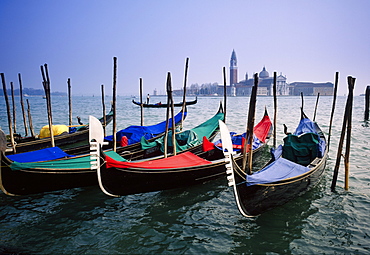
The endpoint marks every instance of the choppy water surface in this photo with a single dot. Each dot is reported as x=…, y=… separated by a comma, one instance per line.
x=197, y=219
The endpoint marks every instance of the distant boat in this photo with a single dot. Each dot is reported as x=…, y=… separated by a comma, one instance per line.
x=160, y=105
x=44, y=97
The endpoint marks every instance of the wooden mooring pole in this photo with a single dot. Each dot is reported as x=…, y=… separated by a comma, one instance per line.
x=46, y=84
x=275, y=110
x=69, y=101
x=114, y=103
x=173, y=126
x=367, y=103
x=22, y=105
x=30, y=118
x=351, y=84
x=14, y=109
x=141, y=103
x=103, y=103
x=346, y=126
x=165, y=139
x=225, y=92
x=333, y=107
x=10, y=125
x=317, y=103
x=248, y=146
x=184, y=94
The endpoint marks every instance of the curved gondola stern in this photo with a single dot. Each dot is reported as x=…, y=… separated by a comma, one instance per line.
x=96, y=139
x=228, y=153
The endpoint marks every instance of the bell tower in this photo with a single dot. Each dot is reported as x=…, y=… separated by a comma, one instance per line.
x=233, y=69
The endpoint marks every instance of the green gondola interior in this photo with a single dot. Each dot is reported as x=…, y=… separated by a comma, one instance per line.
x=301, y=149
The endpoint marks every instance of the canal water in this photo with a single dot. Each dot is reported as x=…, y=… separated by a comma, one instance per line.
x=197, y=219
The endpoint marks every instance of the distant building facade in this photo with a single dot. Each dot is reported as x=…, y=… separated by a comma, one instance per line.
x=311, y=89
x=265, y=85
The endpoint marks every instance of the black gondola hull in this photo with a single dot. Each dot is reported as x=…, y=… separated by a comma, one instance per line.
x=257, y=199
x=126, y=181
x=27, y=181
x=120, y=182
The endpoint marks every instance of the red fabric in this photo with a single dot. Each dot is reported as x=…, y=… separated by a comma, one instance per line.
x=124, y=141
x=207, y=145
x=235, y=146
x=262, y=129
x=185, y=159
x=245, y=142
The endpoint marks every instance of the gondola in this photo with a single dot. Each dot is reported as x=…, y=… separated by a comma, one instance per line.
x=51, y=169
x=161, y=105
x=117, y=178
x=65, y=172
x=129, y=139
x=186, y=140
x=77, y=137
x=295, y=168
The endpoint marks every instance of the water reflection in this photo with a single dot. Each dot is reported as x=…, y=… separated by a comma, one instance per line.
x=275, y=230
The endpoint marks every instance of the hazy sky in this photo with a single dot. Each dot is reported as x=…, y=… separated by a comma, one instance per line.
x=305, y=40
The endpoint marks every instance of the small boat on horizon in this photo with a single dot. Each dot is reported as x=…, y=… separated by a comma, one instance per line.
x=160, y=105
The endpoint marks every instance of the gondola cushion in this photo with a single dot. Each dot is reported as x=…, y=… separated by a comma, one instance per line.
x=278, y=170
x=301, y=149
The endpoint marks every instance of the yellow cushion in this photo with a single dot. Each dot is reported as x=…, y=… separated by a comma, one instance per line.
x=57, y=130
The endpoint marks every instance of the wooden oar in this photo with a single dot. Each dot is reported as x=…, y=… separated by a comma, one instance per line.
x=76, y=125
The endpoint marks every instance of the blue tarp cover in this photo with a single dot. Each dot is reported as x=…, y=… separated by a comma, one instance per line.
x=308, y=126
x=134, y=133
x=72, y=163
x=237, y=140
x=40, y=155
x=278, y=170
x=283, y=168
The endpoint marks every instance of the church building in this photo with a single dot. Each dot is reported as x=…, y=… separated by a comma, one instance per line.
x=265, y=82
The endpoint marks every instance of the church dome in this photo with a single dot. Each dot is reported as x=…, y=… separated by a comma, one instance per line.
x=264, y=73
